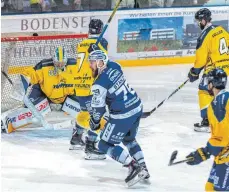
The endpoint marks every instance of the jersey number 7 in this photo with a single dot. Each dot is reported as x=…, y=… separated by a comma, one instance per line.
x=125, y=88
x=81, y=57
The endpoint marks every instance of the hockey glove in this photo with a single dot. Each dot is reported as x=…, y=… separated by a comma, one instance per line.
x=193, y=75
x=94, y=125
x=93, y=47
x=198, y=156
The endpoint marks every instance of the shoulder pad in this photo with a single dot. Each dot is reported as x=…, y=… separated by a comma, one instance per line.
x=203, y=35
x=71, y=61
x=44, y=63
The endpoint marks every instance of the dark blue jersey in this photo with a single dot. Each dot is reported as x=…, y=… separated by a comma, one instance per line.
x=112, y=89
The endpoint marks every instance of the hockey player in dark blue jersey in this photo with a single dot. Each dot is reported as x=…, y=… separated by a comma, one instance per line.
x=125, y=109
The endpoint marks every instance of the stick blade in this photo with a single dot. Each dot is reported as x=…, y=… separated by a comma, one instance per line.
x=145, y=115
x=173, y=157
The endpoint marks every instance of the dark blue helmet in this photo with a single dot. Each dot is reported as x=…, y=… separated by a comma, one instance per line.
x=203, y=13
x=218, y=78
x=95, y=26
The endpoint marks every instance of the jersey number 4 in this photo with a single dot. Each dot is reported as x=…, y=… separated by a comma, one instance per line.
x=223, y=47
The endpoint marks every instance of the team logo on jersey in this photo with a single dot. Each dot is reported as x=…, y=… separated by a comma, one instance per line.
x=113, y=74
x=96, y=92
x=52, y=72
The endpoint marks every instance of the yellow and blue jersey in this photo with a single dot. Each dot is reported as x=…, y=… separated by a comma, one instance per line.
x=53, y=83
x=218, y=116
x=212, y=49
x=83, y=79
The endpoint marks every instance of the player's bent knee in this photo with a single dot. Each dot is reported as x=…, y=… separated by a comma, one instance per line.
x=104, y=146
x=128, y=142
x=209, y=186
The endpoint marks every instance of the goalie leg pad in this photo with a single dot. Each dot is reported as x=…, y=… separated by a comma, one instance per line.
x=20, y=117
x=71, y=106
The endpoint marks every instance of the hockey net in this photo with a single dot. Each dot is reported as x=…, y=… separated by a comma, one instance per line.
x=19, y=53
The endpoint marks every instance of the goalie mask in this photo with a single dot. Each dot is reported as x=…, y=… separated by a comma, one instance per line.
x=98, y=62
x=60, y=59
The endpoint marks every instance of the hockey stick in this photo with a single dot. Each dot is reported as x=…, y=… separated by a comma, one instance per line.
x=7, y=77
x=108, y=22
x=146, y=114
x=174, y=156
x=31, y=107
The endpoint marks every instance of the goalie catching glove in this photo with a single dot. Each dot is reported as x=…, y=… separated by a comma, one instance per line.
x=198, y=156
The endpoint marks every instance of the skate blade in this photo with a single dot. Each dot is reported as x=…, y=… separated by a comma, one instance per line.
x=205, y=130
x=94, y=157
x=76, y=147
x=145, y=181
x=137, y=179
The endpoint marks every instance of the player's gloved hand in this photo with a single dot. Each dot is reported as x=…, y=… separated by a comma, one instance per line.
x=198, y=156
x=94, y=125
x=93, y=47
x=193, y=75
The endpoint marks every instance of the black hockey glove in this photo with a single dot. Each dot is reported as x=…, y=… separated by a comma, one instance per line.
x=94, y=125
x=193, y=75
x=198, y=156
x=93, y=47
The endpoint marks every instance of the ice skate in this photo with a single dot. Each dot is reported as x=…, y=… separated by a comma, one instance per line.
x=203, y=126
x=92, y=153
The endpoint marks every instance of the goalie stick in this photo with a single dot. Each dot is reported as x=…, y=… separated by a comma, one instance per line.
x=32, y=108
x=174, y=156
x=147, y=114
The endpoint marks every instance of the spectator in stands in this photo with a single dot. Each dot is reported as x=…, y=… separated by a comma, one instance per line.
x=126, y=4
x=76, y=5
x=36, y=5
x=96, y=4
x=60, y=5
x=154, y=3
x=178, y=3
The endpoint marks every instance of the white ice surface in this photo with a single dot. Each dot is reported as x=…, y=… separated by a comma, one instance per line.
x=39, y=160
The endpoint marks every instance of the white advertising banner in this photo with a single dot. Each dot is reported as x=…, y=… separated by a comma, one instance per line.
x=132, y=34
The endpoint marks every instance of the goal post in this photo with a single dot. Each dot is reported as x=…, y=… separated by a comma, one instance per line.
x=19, y=53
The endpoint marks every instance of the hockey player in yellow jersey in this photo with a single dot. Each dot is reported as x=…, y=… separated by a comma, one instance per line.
x=83, y=81
x=211, y=51
x=43, y=85
x=218, y=144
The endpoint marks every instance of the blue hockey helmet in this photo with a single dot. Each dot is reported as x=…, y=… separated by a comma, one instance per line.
x=218, y=78
x=98, y=55
x=94, y=58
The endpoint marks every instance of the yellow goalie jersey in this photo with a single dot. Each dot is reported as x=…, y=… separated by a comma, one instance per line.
x=53, y=84
x=83, y=79
x=218, y=115
x=212, y=49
